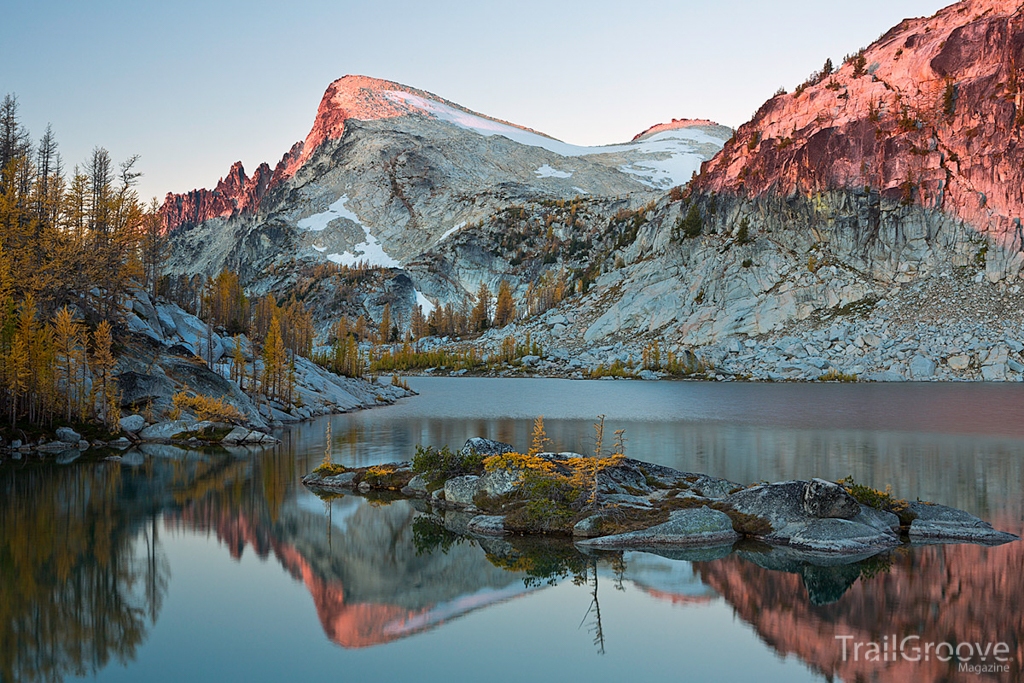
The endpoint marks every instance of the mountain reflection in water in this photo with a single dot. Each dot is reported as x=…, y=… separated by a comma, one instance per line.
x=84, y=572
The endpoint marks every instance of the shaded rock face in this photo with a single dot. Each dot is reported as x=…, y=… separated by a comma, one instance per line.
x=137, y=388
x=825, y=499
x=780, y=503
x=68, y=435
x=930, y=116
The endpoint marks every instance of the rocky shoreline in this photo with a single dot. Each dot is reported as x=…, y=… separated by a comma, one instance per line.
x=168, y=353
x=189, y=433
x=634, y=504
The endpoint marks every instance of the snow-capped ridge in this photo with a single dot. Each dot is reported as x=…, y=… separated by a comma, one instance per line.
x=674, y=124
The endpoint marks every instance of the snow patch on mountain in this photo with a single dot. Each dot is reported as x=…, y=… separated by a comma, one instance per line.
x=425, y=304
x=678, y=157
x=370, y=252
x=319, y=221
x=485, y=127
x=451, y=231
x=546, y=171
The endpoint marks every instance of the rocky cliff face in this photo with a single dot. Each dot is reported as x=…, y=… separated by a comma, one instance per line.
x=928, y=115
x=880, y=202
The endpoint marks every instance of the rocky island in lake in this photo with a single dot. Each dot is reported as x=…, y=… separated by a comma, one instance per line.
x=614, y=502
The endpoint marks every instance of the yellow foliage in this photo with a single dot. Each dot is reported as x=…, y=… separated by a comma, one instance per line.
x=518, y=462
x=206, y=407
x=540, y=438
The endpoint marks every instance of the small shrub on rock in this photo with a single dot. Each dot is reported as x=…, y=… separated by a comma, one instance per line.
x=880, y=500
x=329, y=469
x=386, y=477
x=440, y=465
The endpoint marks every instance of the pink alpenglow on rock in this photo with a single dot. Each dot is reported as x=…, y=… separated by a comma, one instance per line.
x=932, y=113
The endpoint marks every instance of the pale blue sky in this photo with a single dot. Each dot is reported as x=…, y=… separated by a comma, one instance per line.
x=194, y=86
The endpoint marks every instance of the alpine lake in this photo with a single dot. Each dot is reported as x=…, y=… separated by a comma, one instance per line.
x=216, y=565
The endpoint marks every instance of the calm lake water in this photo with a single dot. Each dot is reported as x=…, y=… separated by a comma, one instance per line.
x=219, y=566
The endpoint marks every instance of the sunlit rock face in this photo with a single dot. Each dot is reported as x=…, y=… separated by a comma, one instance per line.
x=236, y=193
x=929, y=116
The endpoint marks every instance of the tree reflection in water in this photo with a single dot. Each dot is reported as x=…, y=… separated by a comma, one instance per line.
x=81, y=576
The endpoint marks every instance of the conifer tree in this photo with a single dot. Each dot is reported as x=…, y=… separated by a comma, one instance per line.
x=418, y=326
x=384, y=330
x=103, y=363
x=480, y=318
x=153, y=245
x=19, y=361
x=274, y=360
x=238, y=363
x=505, y=308
x=67, y=337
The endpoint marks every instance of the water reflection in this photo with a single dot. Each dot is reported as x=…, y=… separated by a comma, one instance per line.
x=81, y=576
x=84, y=572
x=958, y=593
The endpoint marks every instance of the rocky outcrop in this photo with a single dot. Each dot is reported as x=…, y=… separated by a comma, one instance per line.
x=167, y=350
x=944, y=524
x=816, y=516
x=834, y=234
x=663, y=507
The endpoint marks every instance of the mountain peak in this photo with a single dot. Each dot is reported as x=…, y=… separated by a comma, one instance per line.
x=365, y=98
